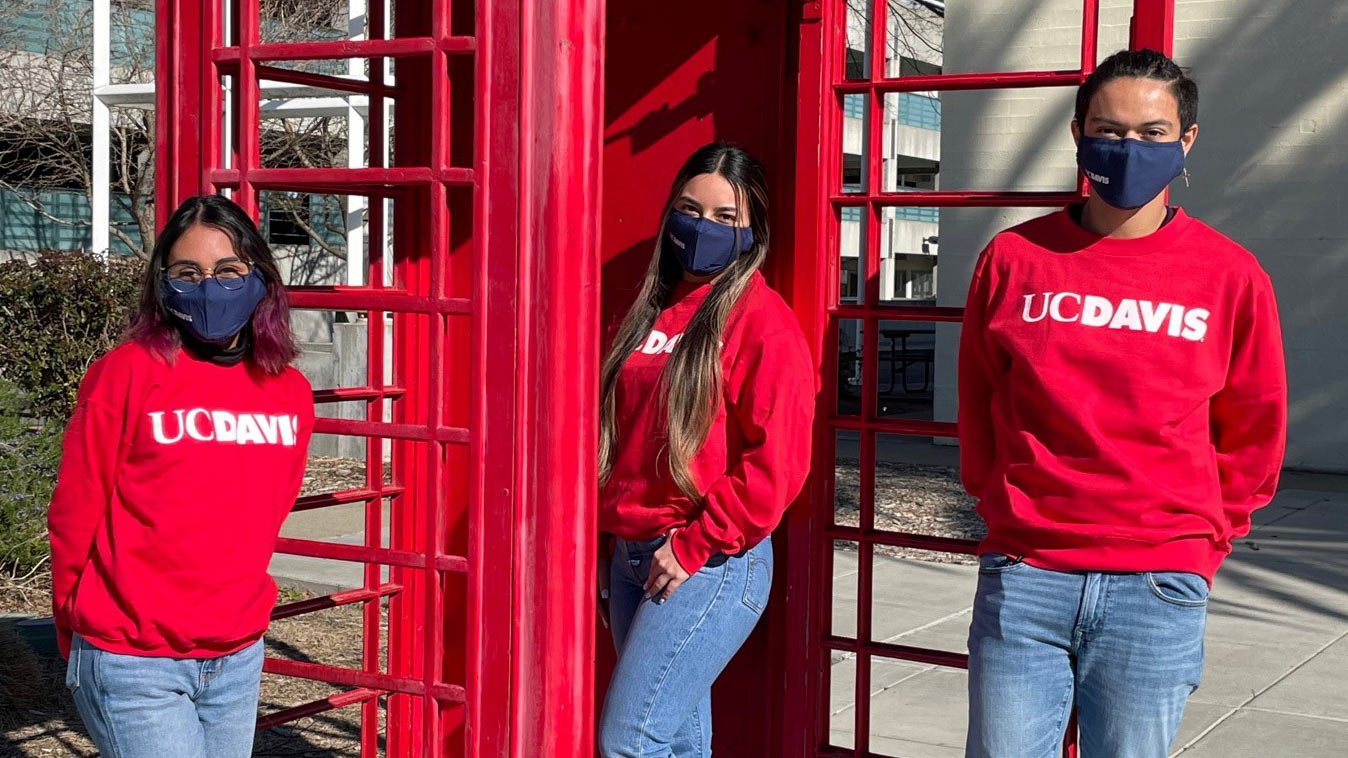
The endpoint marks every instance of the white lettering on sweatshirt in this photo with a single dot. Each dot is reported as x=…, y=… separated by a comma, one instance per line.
x=224, y=427
x=1102, y=313
x=658, y=342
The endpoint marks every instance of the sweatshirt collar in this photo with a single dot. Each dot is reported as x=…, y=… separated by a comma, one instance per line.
x=1081, y=240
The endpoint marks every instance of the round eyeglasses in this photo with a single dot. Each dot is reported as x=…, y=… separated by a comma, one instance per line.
x=185, y=276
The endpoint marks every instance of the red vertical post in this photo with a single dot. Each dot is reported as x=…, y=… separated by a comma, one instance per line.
x=561, y=111
x=800, y=722
x=181, y=47
x=1153, y=26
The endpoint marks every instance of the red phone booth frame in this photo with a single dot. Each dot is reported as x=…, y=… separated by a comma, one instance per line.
x=819, y=178
x=492, y=493
x=492, y=432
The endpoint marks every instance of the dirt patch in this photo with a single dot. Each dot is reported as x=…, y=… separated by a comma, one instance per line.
x=913, y=498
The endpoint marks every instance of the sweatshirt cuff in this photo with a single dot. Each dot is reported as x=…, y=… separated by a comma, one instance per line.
x=691, y=548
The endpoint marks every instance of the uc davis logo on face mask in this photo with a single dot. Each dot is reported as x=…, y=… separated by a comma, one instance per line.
x=224, y=427
x=1135, y=315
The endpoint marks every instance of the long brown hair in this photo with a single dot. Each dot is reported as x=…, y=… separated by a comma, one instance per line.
x=690, y=389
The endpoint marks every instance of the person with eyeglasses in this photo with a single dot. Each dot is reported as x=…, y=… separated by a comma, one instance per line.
x=183, y=456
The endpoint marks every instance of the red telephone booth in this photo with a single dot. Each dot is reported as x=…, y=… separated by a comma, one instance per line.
x=501, y=226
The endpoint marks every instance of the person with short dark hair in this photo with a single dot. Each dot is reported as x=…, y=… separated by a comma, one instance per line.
x=1123, y=411
x=181, y=460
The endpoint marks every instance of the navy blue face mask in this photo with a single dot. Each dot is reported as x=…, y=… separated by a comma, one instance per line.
x=1129, y=173
x=210, y=310
x=703, y=246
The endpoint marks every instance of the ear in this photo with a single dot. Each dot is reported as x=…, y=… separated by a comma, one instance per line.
x=1187, y=139
x=1076, y=131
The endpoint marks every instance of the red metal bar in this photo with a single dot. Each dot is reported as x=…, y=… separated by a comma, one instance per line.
x=964, y=198
x=329, y=703
x=1090, y=35
x=401, y=47
x=904, y=539
x=361, y=554
x=952, y=82
x=248, y=122
x=496, y=258
x=435, y=518
x=323, y=81
x=347, y=394
x=352, y=553
x=335, y=600
x=899, y=312
x=455, y=563
x=179, y=35
x=212, y=95
x=363, y=495
x=562, y=112
x=354, y=678
x=911, y=427
x=898, y=652
x=342, y=298
x=1153, y=26
x=410, y=432
x=374, y=378
x=345, y=181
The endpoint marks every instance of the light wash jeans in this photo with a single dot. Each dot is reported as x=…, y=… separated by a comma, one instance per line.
x=1126, y=648
x=141, y=707
x=659, y=700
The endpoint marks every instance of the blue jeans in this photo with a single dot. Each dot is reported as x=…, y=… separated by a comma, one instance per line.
x=141, y=707
x=659, y=700
x=1126, y=648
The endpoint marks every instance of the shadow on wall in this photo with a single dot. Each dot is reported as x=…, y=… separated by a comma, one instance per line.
x=1268, y=170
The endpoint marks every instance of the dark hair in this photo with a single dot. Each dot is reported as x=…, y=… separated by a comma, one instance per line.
x=271, y=339
x=1142, y=64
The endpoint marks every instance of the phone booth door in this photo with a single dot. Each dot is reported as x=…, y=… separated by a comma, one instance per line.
x=874, y=209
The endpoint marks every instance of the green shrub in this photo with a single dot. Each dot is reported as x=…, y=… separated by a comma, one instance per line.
x=30, y=451
x=58, y=315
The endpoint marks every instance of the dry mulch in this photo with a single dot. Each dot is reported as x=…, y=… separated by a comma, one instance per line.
x=38, y=718
x=913, y=498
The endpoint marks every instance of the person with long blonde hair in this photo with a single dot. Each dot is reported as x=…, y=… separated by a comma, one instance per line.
x=707, y=400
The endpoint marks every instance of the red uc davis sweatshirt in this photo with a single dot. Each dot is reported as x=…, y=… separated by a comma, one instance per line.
x=757, y=454
x=1123, y=403
x=174, y=481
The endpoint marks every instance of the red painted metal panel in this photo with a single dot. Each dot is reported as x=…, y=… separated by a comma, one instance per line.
x=561, y=94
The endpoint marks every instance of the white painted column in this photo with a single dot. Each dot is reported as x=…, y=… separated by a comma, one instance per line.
x=355, y=153
x=100, y=194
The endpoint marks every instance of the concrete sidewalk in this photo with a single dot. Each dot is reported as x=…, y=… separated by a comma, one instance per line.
x=1276, y=682
x=1277, y=642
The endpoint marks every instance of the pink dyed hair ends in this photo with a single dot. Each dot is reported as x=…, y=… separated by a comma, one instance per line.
x=273, y=342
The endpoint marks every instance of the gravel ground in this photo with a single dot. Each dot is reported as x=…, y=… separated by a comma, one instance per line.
x=914, y=498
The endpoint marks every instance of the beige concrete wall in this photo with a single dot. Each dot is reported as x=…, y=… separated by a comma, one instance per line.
x=1270, y=168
